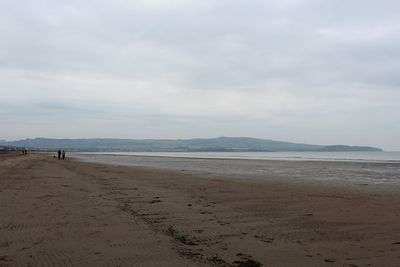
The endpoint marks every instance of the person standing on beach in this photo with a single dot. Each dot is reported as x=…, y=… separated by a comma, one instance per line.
x=63, y=154
x=59, y=154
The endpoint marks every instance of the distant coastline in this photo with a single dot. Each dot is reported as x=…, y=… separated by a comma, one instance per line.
x=220, y=144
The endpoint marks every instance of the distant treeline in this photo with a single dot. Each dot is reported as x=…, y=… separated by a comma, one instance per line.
x=220, y=144
x=11, y=148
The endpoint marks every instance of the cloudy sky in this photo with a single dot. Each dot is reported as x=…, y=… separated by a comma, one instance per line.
x=313, y=71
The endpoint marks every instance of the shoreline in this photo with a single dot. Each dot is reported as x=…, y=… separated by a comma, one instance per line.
x=295, y=159
x=90, y=214
x=380, y=175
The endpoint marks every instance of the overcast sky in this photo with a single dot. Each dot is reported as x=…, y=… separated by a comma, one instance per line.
x=312, y=71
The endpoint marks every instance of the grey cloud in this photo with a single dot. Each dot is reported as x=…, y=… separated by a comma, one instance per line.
x=325, y=70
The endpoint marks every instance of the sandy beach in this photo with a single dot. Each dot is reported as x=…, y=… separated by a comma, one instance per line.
x=72, y=213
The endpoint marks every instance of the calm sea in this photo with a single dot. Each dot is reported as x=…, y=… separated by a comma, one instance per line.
x=357, y=168
x=303, y=156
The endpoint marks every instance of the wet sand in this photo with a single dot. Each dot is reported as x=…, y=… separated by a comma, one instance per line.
x=351, y=173
x=71, y=213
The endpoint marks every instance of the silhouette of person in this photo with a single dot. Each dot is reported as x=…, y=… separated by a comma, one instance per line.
x=59, y=154
x=63, y=154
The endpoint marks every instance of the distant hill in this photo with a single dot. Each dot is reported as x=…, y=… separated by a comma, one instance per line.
x=220, y=144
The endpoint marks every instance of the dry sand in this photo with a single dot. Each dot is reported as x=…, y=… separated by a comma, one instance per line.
x=70, y=213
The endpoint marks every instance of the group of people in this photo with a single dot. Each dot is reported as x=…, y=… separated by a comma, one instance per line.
x=61, y=154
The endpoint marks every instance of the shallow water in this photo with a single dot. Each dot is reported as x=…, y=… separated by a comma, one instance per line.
x=350, y=172
x=303, y=156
